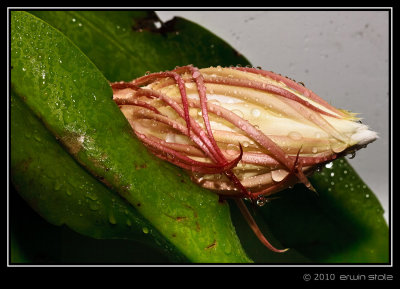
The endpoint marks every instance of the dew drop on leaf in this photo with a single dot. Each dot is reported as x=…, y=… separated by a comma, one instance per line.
x=111, y=219
x=261, y=201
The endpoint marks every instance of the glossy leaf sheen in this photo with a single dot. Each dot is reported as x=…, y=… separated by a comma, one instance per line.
x=63, y=193
x=126, y=44
x=340, y=224
x=74, y=101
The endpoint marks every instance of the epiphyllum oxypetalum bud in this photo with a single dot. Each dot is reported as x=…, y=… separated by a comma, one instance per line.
x=242, y=132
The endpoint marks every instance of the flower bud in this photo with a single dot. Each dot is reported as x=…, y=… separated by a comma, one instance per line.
x=242, y=132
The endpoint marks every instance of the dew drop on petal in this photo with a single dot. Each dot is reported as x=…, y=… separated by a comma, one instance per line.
x=255, y=112
x=170, y=138
x=232, y=149
x=196, y=74
x=294, y=135
x=338, y=147
x=278, y=175
x=238, y=113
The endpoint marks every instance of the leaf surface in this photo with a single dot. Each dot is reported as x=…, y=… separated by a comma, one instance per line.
x=74, y=102
x=343, y=223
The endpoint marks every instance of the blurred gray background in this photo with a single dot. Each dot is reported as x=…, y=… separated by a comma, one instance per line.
x=343, y=56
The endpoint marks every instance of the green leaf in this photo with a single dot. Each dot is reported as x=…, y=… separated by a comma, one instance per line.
x=338, y=225
x=342, y=224
x=74, y=101
x=126, y=44
x=62, y=192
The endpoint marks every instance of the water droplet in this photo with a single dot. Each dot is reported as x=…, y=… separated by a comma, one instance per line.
x=228, y=248
x=314, y=150
x=329, y=165
x=94, y=206
x=332, y=174
x=232, y=149
x=261, y=200
x=255, y=112
x=245, y=144
x=91, y=196
x=278, y=175
x=238, y=113
x=145, y=230
x=338, y=147
x=170, y=138
x=57, y=186
x=196, y=74
x=111, y=219
x=294, y=135
x=352, y=155
x=367, y=196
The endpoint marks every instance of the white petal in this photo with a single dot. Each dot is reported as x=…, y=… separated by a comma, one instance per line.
x=363, y=135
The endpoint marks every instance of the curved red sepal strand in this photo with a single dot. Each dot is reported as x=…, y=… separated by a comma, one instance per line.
x=204, y=143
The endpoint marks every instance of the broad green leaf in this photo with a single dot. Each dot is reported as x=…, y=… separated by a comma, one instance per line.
x=64, y=193
x=342, y=223
x=126, y=44
x=74, y=101
x=337, y=225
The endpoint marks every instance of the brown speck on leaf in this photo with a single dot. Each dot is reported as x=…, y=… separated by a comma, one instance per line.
x=212, y=245
x=197, y=226
x=142, y=166
x=73, y=142
x=179, y=219
x=194, y=211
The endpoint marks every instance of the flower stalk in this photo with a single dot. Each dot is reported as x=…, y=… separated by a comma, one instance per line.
x=239, y=131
